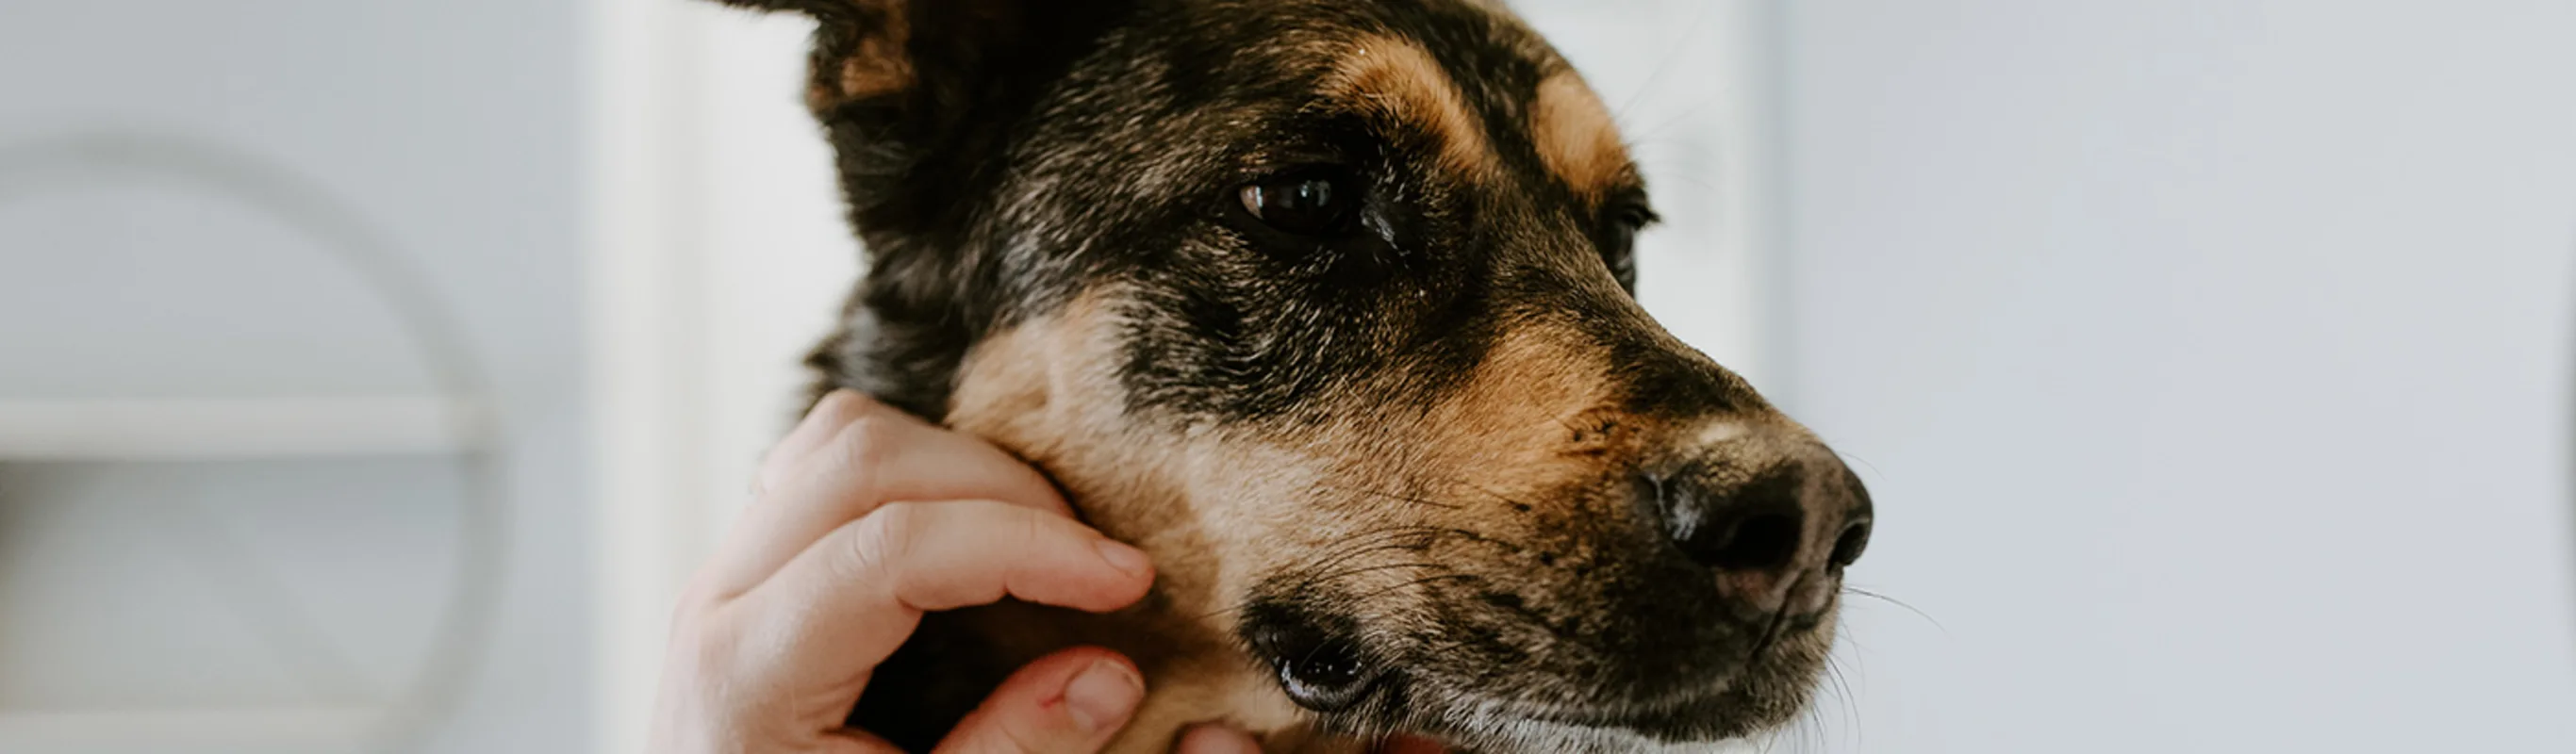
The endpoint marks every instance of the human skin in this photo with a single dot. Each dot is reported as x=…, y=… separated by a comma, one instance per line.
x=863, y=519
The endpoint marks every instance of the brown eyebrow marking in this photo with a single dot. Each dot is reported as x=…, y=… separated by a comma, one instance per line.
x=1396, y=81
x=1577, y=138
x=871, y=62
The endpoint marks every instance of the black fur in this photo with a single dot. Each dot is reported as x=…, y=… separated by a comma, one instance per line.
x=1041, y=149
x=1233, y=335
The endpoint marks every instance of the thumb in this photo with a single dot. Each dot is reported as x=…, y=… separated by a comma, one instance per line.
x=1071, y=702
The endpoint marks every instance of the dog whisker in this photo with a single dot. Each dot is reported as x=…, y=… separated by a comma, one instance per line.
x=1847, y=455
x=1673, y=120
x=1770, y=740
x=1365, y=538
x=1237, y=607
x=1927, y=617
x=1373, y=540
x=1349, y=572
x=1687, y=178
x=1418, y=582
x=1422, y=501
x=1671, y=58
x=1367, y=542
x=1498, y=495
x=1843, y=693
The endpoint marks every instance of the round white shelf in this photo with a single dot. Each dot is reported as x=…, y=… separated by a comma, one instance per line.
x=250, y=501
x=237, y=428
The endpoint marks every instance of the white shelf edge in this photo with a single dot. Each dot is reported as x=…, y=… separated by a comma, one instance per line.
x=172, y=730
x=236, y=428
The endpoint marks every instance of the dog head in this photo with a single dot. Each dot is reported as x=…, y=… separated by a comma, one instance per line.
x=1327, y=304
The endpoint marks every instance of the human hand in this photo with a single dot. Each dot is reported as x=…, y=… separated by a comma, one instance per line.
x=863, y=519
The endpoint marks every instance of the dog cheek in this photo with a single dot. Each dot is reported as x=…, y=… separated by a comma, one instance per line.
x=1209, y=510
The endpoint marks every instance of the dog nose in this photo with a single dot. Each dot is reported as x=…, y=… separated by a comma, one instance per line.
x=1765, y=527
x=1756, y=530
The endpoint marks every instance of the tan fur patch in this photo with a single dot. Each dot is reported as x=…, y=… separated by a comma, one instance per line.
x=1397, y=82
x=1576, y=136
x=879, y=66
x=1531, y=419
x=1520, y=401
x=1047, y=390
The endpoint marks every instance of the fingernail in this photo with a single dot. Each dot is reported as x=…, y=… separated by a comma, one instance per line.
x=1102, y=695
x=1125, y=558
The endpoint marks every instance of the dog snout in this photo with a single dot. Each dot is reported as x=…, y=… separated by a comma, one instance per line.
x=1774, y=527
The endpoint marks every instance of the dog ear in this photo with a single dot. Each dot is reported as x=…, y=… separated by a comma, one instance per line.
x=919, y=97
x=909, y=53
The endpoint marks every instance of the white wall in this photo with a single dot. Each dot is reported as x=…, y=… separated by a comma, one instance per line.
x=2209, y=360
x=452, y=128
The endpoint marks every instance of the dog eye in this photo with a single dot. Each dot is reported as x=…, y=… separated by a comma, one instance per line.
x=1314, y=202
x=1619, y=241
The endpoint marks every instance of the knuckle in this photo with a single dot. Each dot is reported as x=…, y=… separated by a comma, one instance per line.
x=841, y=407
x=704, y=600
x=696, y=601
x=709, y=644
x=887, y=536
x=867, y=442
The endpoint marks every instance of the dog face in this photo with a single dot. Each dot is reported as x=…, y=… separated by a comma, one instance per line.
x=1327, y=304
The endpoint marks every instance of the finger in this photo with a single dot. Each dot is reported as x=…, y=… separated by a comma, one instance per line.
x=854, y=596
x=1071, y=702
x=881, y=456
x=847, y=742
x=836, y=410
x=1216, y=739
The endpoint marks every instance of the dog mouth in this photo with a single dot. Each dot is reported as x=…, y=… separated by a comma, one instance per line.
x=1636, y=660
x=1397, y=715
x=1352, y=691
x=1679, y=719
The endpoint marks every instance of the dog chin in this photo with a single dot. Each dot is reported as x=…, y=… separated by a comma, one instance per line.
x=1484, y=732
x=1695, y=725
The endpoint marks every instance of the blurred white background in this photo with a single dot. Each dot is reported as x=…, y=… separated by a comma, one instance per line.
x=2210, y=363
x=370, y=373
x=292, y=368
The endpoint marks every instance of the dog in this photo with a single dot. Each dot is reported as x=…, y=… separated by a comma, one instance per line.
x=1327, y=305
